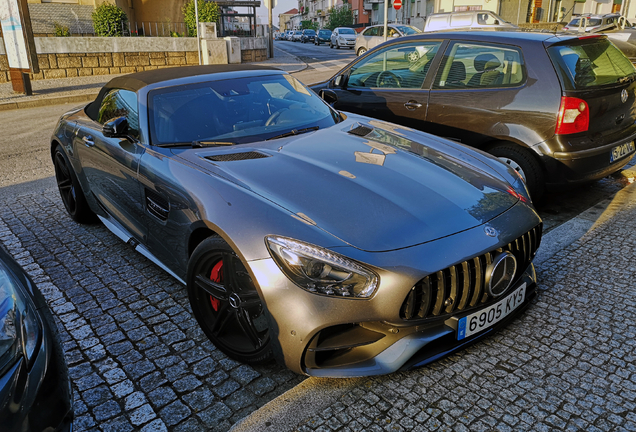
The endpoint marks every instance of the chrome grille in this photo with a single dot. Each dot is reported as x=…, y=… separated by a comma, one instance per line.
x=462, y=286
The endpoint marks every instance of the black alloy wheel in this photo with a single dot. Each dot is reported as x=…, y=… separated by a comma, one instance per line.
x=70, y=189
x=226, y=304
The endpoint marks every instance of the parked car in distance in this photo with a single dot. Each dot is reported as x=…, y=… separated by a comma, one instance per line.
x=343, y=37
x=323, y=35
x=288, y=35
x=374, y=35
x=35, y=389
x=595, y=22
x=296, y=37
x=558, y=108
x=483, y=20
x=308, y=35
x=300, y=232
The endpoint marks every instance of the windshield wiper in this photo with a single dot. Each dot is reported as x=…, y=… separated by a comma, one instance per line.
x=294, y=132
x=628, y=78
x=204, y=143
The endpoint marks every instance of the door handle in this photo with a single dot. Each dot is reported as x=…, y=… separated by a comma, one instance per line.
x=412, y=105
x=88, y=141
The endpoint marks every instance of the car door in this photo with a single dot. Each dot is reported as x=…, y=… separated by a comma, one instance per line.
x=472, y=90
x=387, y=85
x=110, y=164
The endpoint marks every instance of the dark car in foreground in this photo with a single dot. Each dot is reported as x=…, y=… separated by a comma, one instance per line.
x=339, y=244
x=35, y=390
x=558, y=108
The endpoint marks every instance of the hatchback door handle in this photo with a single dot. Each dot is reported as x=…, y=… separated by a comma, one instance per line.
x=412, y=105
x=88, y=141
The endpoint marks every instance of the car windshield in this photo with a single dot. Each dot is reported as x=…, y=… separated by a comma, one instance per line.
x=408, y=30
x=347, y=31
x=310, y=32
x=590, y=63
x=324, y=32
x=235, y=111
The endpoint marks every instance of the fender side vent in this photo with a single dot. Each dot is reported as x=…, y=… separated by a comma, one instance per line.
x=157, y=205
x=360, y=130
x=230, y=157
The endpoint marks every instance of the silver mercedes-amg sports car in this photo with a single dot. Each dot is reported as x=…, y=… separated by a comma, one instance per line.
x=338, y=244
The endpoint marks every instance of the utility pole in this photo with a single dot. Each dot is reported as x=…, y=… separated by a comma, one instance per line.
x=386, y=18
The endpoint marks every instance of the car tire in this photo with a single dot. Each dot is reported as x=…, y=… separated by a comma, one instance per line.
x=226, y=304
x=70, y=189
x=522, y=161
x=361, y=51
x=330, y=45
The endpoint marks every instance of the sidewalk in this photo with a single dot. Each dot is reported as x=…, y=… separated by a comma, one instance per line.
x=84, y=89
x=566, y=364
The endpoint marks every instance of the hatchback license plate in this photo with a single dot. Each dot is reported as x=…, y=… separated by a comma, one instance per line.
x=621, y=151
x=481, y=320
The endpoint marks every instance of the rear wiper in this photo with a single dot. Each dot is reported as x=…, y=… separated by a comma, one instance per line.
x=294, y=132
x=204, y=143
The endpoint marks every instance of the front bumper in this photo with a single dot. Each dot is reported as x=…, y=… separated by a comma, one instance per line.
x=303, y=324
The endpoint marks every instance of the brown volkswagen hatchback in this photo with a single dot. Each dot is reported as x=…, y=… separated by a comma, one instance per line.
x=558, y=108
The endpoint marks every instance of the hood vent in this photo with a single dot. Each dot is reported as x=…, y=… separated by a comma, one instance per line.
x=360, y=130
x=230, y=157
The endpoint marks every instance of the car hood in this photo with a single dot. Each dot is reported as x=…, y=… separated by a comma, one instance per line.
x=374, y=188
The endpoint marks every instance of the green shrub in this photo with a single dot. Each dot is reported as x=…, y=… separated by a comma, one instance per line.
x=61, y=30
x=109, y=20
x=340, y=17
x=208, y=12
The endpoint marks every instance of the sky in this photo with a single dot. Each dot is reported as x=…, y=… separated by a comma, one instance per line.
x=280, y=7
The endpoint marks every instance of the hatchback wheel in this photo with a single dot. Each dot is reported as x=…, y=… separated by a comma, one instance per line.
x=522, y=161
x=226, y=304
x=70, y=189
x=413, y=56
x=361, y=50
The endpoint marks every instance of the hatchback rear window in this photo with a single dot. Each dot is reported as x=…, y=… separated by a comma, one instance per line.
x=590, y=63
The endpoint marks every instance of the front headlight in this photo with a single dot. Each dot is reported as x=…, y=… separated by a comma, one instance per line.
x=20, y=328
x=321, y=271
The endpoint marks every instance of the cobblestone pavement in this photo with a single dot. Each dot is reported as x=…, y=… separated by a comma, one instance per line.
x=137, y=358
x=568, y=363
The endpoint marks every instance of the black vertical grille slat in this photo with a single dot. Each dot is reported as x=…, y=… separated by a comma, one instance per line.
x=462, y=286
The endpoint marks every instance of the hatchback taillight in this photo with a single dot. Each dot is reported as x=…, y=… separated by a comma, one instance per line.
x=574, y=116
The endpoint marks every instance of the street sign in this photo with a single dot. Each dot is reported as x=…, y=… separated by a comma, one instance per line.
x=397, y=4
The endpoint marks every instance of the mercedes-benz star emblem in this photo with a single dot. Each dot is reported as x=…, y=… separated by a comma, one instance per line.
x=624, y=96
x=500, y=272
x=490, y=231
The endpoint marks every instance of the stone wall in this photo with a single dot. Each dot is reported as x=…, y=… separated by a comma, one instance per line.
x=71, y=57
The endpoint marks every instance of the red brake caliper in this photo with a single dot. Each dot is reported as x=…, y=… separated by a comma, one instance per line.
x=216, y=275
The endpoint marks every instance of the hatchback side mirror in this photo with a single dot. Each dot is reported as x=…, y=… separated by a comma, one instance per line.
x=328, y=96
x=116, y=128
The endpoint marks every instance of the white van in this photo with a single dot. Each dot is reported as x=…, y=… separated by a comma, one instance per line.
x=465, y=20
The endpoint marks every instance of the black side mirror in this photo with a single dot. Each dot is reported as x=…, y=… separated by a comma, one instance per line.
x=116, y=128
x=328, y=96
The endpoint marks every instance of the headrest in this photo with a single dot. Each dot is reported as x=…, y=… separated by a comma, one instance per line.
x=486, y=62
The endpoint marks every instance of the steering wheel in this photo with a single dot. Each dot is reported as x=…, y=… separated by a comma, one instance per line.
x=387, y=79
x=272, y=119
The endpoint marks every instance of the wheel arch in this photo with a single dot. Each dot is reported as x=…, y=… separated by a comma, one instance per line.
x=496, y=142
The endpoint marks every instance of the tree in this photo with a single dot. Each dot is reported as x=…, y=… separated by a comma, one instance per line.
x=340, y=17
x=308, y=25
x=109, y=20
x=208, y=12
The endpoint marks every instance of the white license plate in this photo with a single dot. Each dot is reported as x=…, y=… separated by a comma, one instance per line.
x=481, y=320
x=621, y=151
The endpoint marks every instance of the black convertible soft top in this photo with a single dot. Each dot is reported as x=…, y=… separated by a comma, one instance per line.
x=138, y=80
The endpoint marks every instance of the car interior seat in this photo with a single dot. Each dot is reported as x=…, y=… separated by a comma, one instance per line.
x=487, y=74
x=456, y=76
